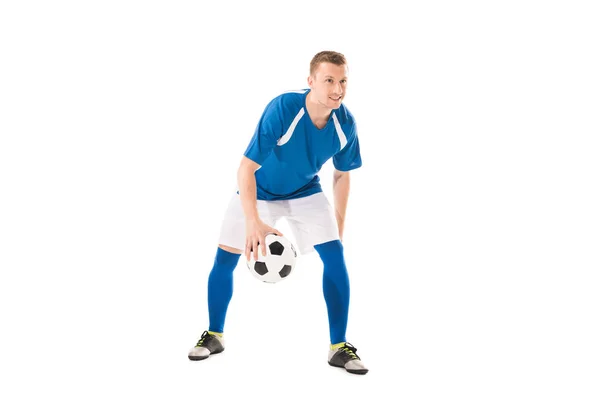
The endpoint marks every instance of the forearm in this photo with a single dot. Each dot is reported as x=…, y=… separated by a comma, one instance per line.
x=247, y=187
x=341, y=191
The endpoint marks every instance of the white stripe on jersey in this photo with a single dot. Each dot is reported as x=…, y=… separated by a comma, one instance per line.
x=284, y=139
x=340, y=132
x=296, y=91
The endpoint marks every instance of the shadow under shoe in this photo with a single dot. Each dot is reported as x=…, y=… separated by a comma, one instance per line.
x=346, y=357
x=207, y=345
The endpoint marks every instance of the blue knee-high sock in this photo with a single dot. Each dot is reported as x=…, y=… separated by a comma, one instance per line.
x=336, y=288
x=220, y=288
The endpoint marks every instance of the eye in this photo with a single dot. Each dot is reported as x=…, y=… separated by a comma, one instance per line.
x=329, y=80
x=343, y=81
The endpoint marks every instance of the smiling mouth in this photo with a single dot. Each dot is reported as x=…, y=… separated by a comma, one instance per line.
x=336, y=98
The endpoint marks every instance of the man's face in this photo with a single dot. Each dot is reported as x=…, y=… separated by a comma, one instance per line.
x=328, y=84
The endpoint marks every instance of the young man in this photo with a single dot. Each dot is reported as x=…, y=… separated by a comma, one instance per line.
x=277, y=178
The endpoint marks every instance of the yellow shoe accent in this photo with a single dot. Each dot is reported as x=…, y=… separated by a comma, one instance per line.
x=337, y=345
x=219, y=334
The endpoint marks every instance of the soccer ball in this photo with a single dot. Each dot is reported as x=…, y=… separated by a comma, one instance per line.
x=279, y=262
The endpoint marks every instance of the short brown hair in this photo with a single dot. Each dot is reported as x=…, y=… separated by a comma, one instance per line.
x=326, y=56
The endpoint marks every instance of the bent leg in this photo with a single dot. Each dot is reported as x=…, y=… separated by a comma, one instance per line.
x=220, y=286
x=336, y=288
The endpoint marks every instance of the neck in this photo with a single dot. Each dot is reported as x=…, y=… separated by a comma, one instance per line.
x=316, y=110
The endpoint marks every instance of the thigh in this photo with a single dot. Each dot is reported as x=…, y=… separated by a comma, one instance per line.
x=233, y=227
x=312, y=221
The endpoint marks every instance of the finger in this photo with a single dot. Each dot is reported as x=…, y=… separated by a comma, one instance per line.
x=255, y=249
x=248, y=250
x=264, y=248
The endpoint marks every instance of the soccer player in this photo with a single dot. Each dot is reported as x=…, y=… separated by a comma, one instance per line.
x=278, y=178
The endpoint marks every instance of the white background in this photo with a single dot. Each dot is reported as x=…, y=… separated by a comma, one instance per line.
x=472, y=235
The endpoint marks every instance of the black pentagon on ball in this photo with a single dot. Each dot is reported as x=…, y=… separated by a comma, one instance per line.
x=276, y=248
x=285, y=271
x=260, y=268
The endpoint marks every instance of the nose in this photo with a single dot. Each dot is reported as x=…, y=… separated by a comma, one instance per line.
x=338, y=88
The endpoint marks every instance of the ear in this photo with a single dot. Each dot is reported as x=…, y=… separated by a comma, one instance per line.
x=310, y=81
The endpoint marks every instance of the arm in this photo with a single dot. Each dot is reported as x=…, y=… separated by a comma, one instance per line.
x=341, y=191
x=256, y=230
x=247, y=185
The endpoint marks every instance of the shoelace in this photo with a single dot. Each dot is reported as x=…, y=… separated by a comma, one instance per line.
x=204, y=336
x=350, y=350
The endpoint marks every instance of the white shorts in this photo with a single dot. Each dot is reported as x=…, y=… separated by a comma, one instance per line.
x=311, y=220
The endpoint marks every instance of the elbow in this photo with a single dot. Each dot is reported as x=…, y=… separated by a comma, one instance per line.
x=247, y=167
x=340, y=176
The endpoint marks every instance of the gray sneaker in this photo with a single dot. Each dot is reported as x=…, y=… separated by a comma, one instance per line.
x=346, y=357
x=207, y=345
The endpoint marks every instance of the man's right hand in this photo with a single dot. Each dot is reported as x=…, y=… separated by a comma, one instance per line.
x=256, y=232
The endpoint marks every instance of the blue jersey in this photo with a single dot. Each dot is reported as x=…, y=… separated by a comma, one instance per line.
x=291, y=150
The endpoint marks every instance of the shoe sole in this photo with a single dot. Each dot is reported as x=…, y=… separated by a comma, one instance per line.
x=352, y=371
x=198, y=358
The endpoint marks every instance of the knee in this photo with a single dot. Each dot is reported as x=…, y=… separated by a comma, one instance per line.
x=225, y=260
x=332, y=247
x=229, y=249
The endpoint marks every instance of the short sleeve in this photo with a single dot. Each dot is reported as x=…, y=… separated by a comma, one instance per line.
x=267, y=133
x=349, y=157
